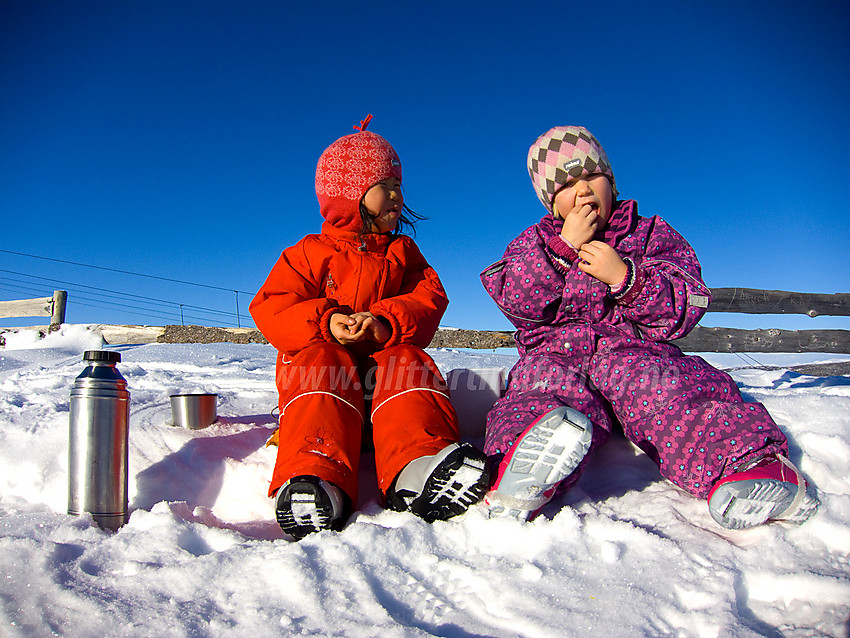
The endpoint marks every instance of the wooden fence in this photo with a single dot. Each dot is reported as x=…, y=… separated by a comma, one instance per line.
x=53, y=307
x=703, y=339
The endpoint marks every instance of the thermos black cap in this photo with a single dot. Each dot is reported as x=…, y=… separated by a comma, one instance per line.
x=102, y=355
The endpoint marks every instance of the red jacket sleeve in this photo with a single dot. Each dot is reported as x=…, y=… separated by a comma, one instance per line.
x=290, y=309
x=415, y=312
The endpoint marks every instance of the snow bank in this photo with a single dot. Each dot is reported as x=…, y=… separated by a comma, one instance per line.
x=623, y=554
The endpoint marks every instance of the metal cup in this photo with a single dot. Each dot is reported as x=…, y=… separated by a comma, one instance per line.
x=193, y=411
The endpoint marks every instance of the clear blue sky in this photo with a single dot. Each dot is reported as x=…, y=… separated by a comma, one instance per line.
x=179, y=139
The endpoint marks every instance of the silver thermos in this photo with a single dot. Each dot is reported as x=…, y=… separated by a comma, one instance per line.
x=97, y=455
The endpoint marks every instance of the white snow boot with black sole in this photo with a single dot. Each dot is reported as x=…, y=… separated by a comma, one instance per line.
x=442, y=485
x=307, y=504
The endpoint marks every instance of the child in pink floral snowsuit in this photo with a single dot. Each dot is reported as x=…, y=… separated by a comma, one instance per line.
x=596, y=292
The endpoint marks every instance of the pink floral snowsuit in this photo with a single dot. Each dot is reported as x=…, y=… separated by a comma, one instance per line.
x=608, y=358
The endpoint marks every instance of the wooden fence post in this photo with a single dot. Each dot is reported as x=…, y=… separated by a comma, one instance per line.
x=53, y=307
x=57, y=318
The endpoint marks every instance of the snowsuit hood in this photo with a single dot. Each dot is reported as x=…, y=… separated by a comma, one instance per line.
x=346, y=170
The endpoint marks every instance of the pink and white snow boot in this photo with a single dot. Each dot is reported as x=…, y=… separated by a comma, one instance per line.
x=545, y=454
x=771, y=489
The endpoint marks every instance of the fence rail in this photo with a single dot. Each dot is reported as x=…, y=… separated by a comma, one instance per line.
x=53, y=307
x=704, y=339
x=701, y=339
x=778, y=302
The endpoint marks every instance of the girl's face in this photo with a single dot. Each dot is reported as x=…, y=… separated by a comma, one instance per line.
x=592, y=190
x=384, y=202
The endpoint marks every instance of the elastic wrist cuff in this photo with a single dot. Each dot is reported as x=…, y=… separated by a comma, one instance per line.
x=562, y=248
x=561, y=253
x=635, y=281
x=619, y=291
x=325, y=324
x=623, y=286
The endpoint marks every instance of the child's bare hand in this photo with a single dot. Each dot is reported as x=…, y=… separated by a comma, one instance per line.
x=601, y=261
x=344, y=328
x=358, y=327
x=372, y=327
x=580, y=225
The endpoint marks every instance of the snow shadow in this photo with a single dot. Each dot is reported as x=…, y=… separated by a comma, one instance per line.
x=615, y=468
x=405, y=612
x=255, y=419
x=798, y=380
x=747, y=616
x=195, y=472
x=195, y=543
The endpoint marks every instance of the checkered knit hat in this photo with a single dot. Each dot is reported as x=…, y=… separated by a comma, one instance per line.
x=347, y=169
x=564, y=153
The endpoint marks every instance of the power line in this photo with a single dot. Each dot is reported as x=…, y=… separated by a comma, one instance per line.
x=16, y=289
x=173, y=316
x=171, y=311
x=117, y=294
x=124, y=272
x=147, y=312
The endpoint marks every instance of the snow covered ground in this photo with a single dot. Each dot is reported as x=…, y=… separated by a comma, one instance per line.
x=623, y=554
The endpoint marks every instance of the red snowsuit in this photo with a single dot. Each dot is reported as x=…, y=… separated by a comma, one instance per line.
x=321, y=383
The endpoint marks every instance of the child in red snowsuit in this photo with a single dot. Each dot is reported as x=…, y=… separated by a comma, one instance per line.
x=596, y=293
x=350, y=311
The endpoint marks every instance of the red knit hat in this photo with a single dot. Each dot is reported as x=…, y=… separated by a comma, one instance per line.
x=347, y=169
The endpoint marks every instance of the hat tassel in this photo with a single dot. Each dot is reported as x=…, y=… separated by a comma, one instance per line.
x=363, y=123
